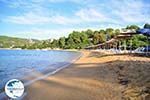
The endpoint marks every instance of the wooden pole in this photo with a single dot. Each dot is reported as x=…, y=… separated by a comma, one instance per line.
x=130, y=45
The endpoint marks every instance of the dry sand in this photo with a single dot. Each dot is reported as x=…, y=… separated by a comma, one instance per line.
x=96, y=77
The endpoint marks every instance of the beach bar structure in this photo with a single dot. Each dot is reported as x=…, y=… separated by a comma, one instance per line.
x=115, y=42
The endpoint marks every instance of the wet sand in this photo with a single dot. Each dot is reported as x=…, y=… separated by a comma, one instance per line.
x=96, y=76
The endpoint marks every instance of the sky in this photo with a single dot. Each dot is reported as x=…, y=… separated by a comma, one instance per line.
x=45, y=19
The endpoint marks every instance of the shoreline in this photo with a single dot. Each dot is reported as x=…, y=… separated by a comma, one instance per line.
x=36, y=76
x=46, y=73
x=46, y=49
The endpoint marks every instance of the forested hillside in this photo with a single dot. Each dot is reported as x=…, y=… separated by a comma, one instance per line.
x=13, y=42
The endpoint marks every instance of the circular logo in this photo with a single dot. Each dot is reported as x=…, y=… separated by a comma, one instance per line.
x=14, y=88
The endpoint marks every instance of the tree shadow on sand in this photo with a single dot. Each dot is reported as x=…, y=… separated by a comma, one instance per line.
x=94, y=81
x=101, y=54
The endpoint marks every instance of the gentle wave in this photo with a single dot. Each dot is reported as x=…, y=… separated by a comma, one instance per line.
x=20, y=63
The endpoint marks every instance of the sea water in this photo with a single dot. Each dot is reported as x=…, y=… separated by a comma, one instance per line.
x=20, y=63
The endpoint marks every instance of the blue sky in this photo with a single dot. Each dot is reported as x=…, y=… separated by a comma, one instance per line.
x=43, y=19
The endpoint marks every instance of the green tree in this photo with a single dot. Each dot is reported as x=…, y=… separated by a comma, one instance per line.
x=62, y=42
x=70, y=43
x=89, y=33
x=54, y=44
x=133, y=27
x=147, y=25
x=103, y=36
x=110, y=32
x=139, y=41
x=102, y=31
x=98, y=37
x=116, y=32
x=84, y=40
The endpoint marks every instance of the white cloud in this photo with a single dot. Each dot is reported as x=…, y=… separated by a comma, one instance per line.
x=81, y=16
x=64, y=20
x=33, y=3
x=125, y=11
x=131, y=11
x=40, y=18
x=128, y=11
x=28, y=18
x=90, y=15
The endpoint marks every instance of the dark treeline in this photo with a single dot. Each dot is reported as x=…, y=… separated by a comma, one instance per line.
x=80, y=40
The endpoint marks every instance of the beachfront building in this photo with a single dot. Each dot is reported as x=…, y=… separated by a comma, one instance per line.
x=116, y=41
x=119, y=42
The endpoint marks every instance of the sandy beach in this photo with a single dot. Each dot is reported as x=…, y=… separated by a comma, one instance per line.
x=96, y=76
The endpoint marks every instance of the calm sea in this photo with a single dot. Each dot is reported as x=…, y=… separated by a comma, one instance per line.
x=20, y=63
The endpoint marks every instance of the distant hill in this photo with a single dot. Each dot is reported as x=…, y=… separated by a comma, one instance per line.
x=13, y=42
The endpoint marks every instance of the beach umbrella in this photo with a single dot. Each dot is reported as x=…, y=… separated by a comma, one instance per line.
x=144, y=31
